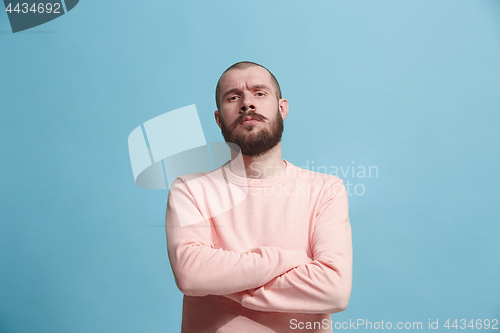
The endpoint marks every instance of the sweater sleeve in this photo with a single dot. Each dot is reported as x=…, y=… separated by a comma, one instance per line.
x=323, y=285
x=200, y=269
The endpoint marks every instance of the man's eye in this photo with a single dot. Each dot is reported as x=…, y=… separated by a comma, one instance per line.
x=232, y=98
x=260, y=94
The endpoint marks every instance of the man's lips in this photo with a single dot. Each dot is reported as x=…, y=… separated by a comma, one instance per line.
x=249, y=121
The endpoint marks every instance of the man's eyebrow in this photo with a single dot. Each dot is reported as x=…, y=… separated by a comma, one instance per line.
x=254, y=87
x=259, y=86
x=230, y=91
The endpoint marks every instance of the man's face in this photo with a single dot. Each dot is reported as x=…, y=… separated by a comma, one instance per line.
x=250, y=114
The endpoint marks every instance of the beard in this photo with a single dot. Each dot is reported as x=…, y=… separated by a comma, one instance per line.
x=253, y=143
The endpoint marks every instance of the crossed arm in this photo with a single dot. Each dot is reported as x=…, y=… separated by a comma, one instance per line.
x=266, y=278
x=199, y=269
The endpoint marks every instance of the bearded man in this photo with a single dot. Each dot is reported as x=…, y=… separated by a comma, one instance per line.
x=259, y=244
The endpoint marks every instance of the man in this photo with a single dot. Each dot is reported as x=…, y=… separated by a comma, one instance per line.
x=258, y=245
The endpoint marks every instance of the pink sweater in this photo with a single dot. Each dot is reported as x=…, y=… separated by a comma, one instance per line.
x=260, y=255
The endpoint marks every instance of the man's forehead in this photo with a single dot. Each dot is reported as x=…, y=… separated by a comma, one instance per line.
x=251, y=76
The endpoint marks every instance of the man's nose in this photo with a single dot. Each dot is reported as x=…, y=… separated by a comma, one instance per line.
x=247, y=103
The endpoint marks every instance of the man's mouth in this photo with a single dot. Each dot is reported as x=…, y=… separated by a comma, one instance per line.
x=249, y=120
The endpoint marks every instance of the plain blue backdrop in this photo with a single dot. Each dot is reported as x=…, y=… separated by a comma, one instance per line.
x=411, y=87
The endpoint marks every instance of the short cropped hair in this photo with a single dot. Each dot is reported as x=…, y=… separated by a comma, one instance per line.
x=245, y=65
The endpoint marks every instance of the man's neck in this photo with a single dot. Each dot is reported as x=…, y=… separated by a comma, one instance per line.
x=267, y=165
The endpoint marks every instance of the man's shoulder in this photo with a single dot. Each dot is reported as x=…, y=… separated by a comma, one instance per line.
x=201, y=178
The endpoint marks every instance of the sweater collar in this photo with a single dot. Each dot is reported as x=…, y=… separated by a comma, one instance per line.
x=257, y=182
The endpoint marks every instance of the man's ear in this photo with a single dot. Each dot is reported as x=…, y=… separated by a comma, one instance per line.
x=283, y=107
x=217, y=117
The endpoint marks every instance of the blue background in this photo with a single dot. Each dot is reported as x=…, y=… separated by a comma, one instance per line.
x=411, y=87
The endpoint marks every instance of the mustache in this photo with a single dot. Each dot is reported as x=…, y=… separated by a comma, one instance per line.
x=247, y=114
